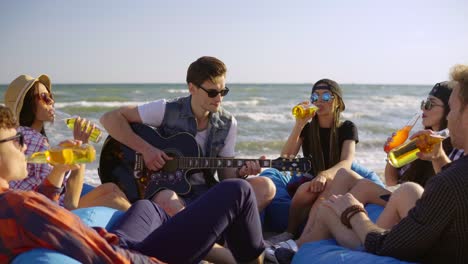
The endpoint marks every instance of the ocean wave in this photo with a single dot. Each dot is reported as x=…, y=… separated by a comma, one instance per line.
x=184, y=91
x=253, y=102
x=261, y=117
x=97, y=104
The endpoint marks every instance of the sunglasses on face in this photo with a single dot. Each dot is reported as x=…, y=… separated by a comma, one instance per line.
x=18, y=138
x=212, y=93
x=46, y=98
x=428, y=105
x=326, y=97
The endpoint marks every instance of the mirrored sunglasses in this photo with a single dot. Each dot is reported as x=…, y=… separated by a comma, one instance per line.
x=46, y=98
x=18, y=138
x=428, y=105
x=212, y=93
x=326, y=97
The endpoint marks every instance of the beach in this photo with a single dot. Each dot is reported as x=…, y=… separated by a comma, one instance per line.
x=263, y=112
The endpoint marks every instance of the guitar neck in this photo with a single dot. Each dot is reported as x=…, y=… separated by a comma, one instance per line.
x=217, y=163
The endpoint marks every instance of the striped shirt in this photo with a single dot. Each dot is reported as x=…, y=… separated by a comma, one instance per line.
x=456, y=154
x=436, y=229
x=35, y=142
x=31, y=220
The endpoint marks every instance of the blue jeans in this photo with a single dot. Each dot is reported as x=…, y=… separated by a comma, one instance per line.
x=229, y=209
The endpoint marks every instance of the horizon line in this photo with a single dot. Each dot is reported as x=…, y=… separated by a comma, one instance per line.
x=232, y=83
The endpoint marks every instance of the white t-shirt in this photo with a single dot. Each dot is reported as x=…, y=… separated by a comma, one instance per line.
x=152, y=113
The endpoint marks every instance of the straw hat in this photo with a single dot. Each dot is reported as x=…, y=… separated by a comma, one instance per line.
x=14, y=95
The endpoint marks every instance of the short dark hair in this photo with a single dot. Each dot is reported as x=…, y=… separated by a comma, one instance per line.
x=7, y=120
x=205, y=68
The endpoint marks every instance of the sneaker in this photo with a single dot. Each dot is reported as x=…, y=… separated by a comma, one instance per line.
x=281, y=253
x=284, y=255
x=274, y=240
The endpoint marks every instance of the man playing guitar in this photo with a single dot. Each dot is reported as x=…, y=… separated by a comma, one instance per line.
x=199, y=114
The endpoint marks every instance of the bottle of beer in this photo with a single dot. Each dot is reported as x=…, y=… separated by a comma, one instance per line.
x=404, y=154
x=70, y=120
x=95, y=134
x=304, y=110
x=65, y=155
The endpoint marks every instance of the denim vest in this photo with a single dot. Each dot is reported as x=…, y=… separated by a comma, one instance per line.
x=178, y=118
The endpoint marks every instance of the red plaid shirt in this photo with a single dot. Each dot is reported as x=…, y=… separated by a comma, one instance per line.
x=31, y=220
x=37, y=173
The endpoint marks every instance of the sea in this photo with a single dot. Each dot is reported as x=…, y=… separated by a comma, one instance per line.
x=263, y=112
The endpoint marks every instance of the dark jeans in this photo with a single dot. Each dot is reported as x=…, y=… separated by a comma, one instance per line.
x=229, y=209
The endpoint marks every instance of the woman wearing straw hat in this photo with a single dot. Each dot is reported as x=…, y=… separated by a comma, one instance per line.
x=31, y=100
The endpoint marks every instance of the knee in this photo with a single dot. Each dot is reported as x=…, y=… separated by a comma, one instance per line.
x=345, y=177
x=263, y=186
x=343, y=172
x=108, y=187
x=164, y=196
x=408, y=191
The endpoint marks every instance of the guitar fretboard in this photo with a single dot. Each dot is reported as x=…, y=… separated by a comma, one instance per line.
x=184, y=163
x=216, y=163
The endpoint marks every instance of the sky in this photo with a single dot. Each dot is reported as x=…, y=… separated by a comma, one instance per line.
x=271, y=41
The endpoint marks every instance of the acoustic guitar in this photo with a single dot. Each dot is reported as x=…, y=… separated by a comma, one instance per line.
x=126, y=168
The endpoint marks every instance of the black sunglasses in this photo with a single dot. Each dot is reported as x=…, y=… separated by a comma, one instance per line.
x=46, y=98
x=428, y=105
x=17, y=138
x=212, y=93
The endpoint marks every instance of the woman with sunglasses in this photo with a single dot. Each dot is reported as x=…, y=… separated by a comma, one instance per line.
x=329, y=141
x=434, y=117
x=32, y=102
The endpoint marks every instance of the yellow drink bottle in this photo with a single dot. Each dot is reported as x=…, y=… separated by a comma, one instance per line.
x=404, y=154
x=96, y=134
x=304, y=110
x=65, y=155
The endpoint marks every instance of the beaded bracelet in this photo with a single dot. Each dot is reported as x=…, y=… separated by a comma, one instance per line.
x=350, y=212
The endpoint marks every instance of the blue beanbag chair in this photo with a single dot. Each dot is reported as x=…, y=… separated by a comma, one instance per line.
x=86, y=189
x=92, y=216
x=329, y=252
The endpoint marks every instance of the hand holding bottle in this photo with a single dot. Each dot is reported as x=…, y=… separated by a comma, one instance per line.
x=82, y=129
x=304, y=110
x=422, y=142
x=69, y=152
x=435, y=152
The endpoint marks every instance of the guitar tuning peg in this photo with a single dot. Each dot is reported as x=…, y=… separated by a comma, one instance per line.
x=298, y=174
x=291, y=156
x=283, y=169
